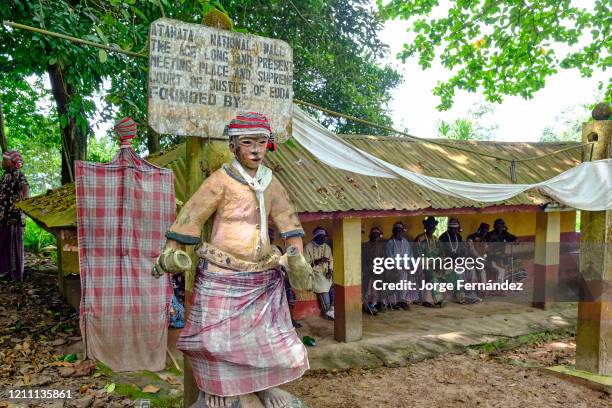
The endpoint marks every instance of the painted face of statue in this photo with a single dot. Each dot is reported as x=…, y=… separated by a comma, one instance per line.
x=251, y=151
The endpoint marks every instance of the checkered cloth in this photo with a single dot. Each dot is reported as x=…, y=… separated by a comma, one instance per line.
x=123, y=210
x=239, y=337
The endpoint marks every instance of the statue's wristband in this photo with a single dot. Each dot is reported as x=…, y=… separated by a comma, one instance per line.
x=182, y=239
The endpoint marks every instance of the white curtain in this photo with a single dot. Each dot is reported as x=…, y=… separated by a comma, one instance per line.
x=587, y=186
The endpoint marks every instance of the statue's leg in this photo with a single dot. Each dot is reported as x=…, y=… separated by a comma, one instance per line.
x=276, y=398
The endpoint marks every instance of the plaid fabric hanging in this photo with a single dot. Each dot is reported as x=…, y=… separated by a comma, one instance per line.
x=124, y=208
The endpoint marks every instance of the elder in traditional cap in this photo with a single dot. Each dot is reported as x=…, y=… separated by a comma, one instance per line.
x=13, y=188
x=238, y=336
x=319, y=254
x=428, y=245
x=452, y=247
x=497, y=240
x=399, y=246
x=374, y=248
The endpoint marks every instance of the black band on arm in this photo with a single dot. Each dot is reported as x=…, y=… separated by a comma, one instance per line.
x=292, y=233
x=182, y=239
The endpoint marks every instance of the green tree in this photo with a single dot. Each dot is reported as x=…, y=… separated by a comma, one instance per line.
x=477, y=125
x=30, y=128
x=336, y=54
x=504, y=47
x=74, y=72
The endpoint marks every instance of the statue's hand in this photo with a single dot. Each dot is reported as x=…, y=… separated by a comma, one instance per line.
x=171, y=261
x=299, y=271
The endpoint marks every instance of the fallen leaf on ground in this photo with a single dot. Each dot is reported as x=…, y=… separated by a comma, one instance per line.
x=172, y=381
x=60, y=364
x=150, y=389
x=66, y=371
x=84, y=368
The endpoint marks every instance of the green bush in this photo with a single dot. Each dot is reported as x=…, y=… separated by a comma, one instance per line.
x=36, y=239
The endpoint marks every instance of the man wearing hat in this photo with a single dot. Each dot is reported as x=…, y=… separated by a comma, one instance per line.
x=238, y=335
x=497, y=240
x=478, y=249
x=319, y=255
x=374, y=248
x=452, y=247
x=428, y=246
x=13, y=188
x=396, y=246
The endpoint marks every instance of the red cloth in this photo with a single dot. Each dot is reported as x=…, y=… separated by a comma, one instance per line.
x=123, y=210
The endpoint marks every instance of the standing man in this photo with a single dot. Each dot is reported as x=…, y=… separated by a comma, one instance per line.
x=396, y=246
x=374, y=248
x=13, y=188
x=429, y=247
x=238, y=335
x=452, y=247
x=319, y=255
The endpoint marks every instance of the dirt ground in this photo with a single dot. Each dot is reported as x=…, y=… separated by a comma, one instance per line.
x=503, y=379
x=37, y=330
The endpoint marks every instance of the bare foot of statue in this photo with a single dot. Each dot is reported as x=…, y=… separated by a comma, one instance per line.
x=275, y=398
x=215, y=401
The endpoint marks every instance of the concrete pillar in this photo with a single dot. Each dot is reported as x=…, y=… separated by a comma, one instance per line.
x=546, y=267
x=594, y=328
x=346, y=240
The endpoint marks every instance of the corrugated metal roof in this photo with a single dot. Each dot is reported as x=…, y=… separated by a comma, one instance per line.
x=324, y=189
x=56, y=208
x=315, y=187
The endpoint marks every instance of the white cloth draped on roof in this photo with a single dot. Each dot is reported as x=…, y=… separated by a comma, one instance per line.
x=587, y=186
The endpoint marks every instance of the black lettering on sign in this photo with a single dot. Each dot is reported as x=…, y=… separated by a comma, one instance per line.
x=231, y=101
x=279, y=93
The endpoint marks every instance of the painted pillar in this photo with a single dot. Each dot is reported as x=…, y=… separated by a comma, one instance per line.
x=594, y=328
x=546, y=268
x=346, y=240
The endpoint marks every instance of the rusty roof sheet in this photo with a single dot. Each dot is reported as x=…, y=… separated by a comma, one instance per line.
x=315, y=187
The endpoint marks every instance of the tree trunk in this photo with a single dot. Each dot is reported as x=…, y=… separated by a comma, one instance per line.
x=153, y=141
x=74, y=140
x=3, y=141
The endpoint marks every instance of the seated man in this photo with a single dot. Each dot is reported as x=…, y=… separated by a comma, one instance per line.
x=238, y=335
x=374, y=248
x=497, y=246
x=428, y=246
x=452, y=247
x=319, y=255
x=477, y=248
x=399, y=246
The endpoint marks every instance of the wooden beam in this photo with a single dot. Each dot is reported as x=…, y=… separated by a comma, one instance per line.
x=594, y=327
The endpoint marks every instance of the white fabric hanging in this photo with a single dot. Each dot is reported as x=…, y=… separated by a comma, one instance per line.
x=587, y=186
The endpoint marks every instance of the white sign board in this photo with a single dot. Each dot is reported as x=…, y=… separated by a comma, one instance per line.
x=201, y=77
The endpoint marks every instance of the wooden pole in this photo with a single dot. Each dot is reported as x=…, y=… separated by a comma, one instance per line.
x=203, y=157
x=594, y=327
